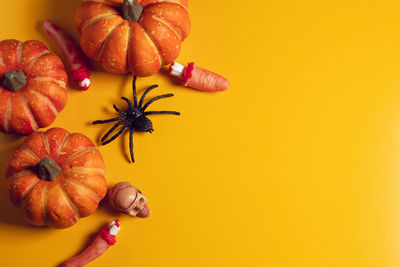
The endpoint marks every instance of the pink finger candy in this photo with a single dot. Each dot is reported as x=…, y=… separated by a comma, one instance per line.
x=73, y=56
x=198, y=78
x=104, y=239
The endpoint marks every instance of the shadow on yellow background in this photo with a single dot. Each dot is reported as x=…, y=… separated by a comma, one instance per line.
x=9, y=214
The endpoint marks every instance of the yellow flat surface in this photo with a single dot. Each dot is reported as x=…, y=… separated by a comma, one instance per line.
x=297, y=164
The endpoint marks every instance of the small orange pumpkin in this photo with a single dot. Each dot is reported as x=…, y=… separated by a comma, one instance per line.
x=137, y=36
x=32, y=86
x=56, y=178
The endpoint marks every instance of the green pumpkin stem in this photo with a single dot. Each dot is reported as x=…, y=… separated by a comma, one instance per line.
x=14, y=80
x=48, y=169
x=131, y=10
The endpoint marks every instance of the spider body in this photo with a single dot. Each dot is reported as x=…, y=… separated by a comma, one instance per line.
x=138, y=121
x=134, y=118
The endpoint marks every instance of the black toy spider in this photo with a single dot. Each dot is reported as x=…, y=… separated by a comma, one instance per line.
x=134, y=117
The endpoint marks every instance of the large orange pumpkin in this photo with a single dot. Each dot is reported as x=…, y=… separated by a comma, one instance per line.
x=56, y=178
x=32, y=86
x=137, y=36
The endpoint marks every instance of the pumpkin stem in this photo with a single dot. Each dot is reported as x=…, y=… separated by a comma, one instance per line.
x=131, y=10
x=48, y=169
x=14, y=80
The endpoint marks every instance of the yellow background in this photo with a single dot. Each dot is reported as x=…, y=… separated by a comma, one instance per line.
x=297, y=164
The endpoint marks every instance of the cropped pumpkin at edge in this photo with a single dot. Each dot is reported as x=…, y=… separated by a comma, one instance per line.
x=55, y=178
x=32, y=86
x=122, y=44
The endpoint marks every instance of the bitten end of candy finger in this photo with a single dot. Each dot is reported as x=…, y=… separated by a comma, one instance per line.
x=85, y=84
x=176, y=69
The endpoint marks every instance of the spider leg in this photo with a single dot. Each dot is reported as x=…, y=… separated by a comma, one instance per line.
x=131, y=144
x=115, y=136
x=162, y=112
x=118, y=110
x=111, y=130
x=145, y=93
x=107, y=121
x=127, y=101
x=155, y=99
x=134, y=91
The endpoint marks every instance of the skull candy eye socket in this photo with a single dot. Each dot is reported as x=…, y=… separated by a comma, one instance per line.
x=142, y=200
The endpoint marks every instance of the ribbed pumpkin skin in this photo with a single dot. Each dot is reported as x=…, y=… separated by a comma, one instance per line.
x=76, y=191
x=139, y=47
x=37, y=104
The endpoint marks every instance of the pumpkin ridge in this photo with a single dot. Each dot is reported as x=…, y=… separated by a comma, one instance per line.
x=168, y=1
x=107, y=38
x=54, y=90
x=20, y=174
x=98, y=18
x=180, y=21
x=128, y=40
x=2, y=61
x=86, y=188
x=66, y=196
x=46, y=143
x=156, y=44
x=19, y=53
x=7, y=115
x=142, y=64
x=117, y=45
x=85, y=12
x=28, y=110
x=86, y=170
x=8, y=50
x=63, y=142
x=169, y=25
x=47, y=100
x=49, y=79
x=94, y=35
x=33, y=98
x=80, y=153
x=28, y=190
x=36, y=57
x=29, y=151
x=153, y=44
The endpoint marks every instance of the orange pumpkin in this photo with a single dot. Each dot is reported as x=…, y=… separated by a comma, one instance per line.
x=32, y=86
x=140, y=43
x=55, y=178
